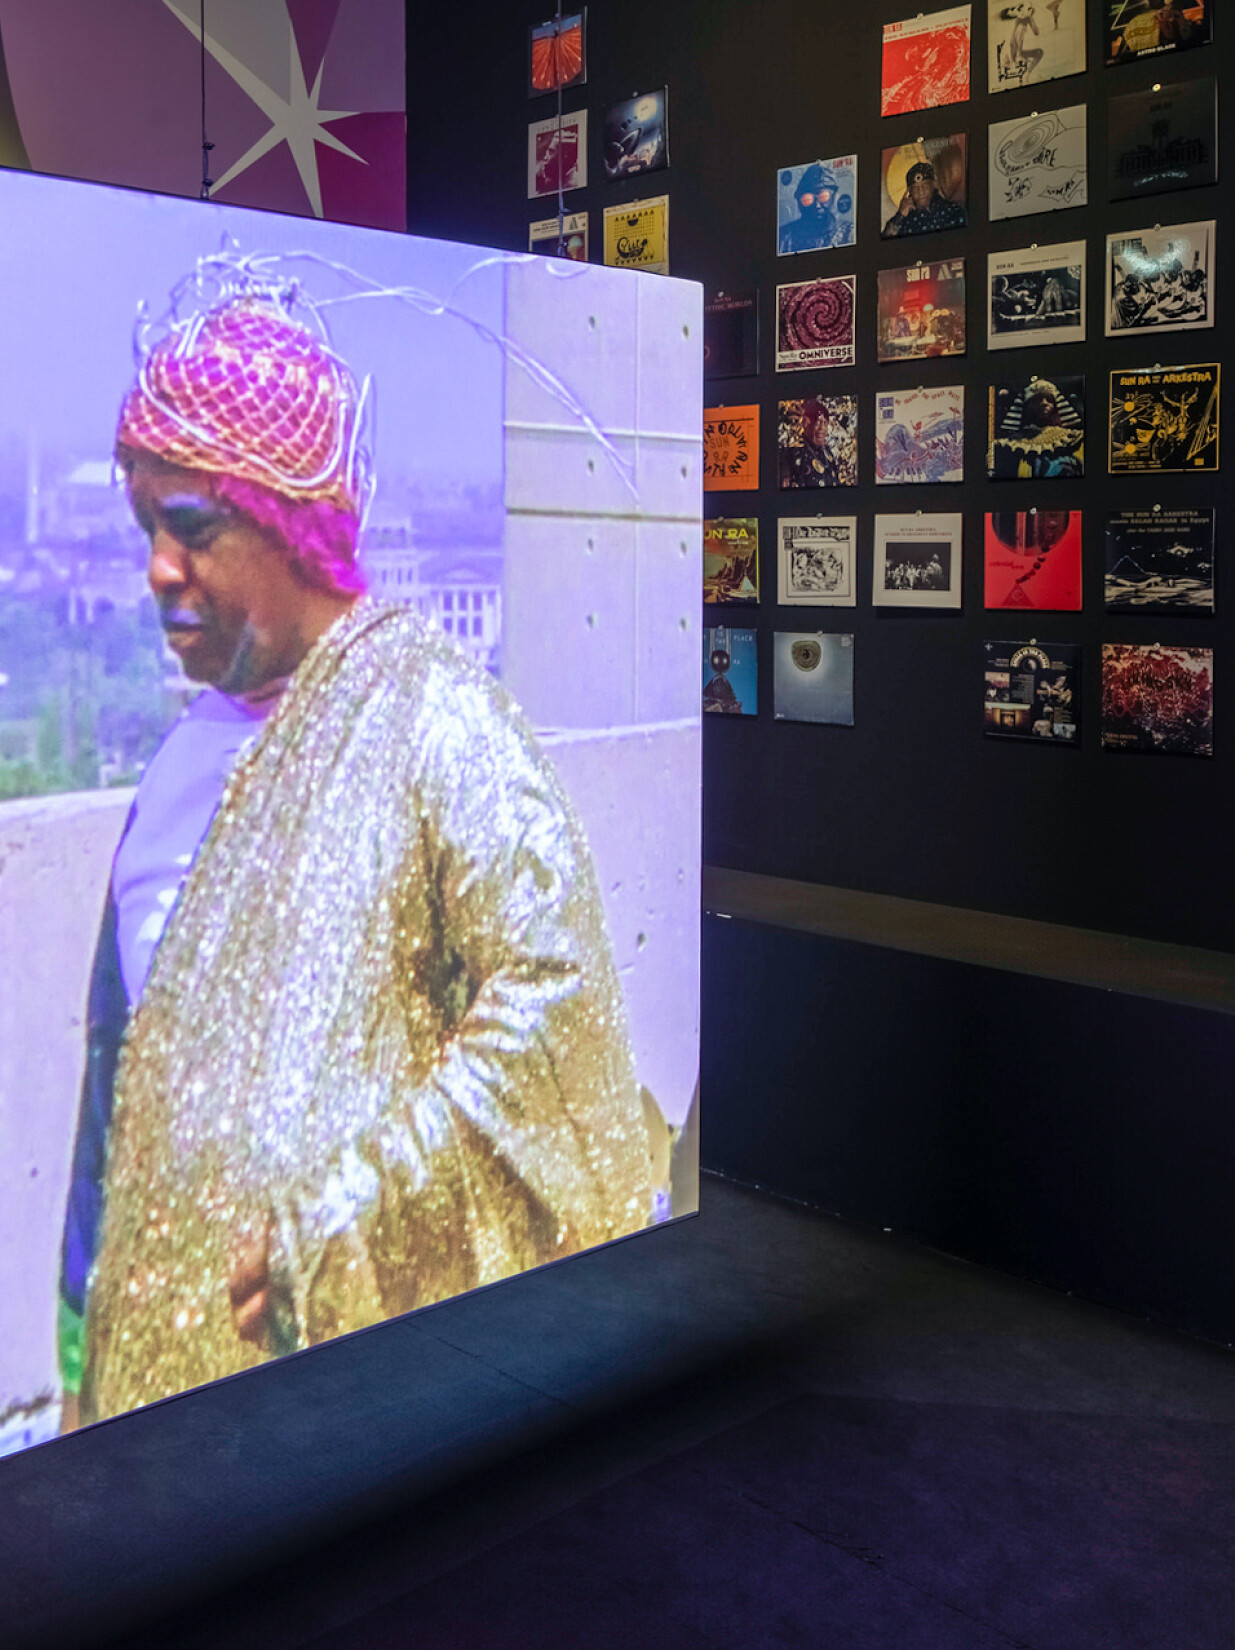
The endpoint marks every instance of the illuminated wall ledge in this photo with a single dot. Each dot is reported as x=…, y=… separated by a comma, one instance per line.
x=1184, y=974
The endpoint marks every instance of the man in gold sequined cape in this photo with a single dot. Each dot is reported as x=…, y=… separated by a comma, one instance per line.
x=383, y=1037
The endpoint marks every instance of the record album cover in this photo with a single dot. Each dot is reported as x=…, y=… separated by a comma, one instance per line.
x=1160, y=279
x=815, y=324
x=817, y=561
x=557, y=53
x=1036, y=428
x=1164, y=418
x=1033, y=691
x=1033, y=559
x=817, y=442
x=925, y=186
x=1036, y=296
x=1158, y=698
x=731, y=559
x=922, y=311
x=557, y=154
x=730, y=671
x=917, y=560
x=1160, y=561
x=731, y=335
x=1039, y=163
x=1149, y=28
x=1163, y=139
x=636, y=135
x=637, y=235
x=731, y=449
x=816, y=205
x=565, y=240
x=920, y=435
x=1029, y=41
x=812, y=677
x=926, y=61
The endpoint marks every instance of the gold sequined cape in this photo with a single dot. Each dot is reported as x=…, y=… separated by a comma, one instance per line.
x=383, y=1027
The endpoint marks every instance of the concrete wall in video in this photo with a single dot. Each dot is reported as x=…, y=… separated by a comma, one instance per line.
x=349, y=781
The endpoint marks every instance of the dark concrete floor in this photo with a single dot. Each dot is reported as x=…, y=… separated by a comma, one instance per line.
x=758, y=1428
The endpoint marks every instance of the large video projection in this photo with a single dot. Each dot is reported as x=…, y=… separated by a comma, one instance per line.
x=349, y=781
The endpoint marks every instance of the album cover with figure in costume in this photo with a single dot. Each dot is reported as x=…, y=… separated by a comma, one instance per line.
x=1036, y=429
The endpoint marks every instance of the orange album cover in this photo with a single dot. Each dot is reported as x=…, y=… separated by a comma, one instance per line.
x=731, y=449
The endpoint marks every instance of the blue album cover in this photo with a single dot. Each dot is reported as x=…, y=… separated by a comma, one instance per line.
x=637, y=135
x=816, y=205
x=730, y=671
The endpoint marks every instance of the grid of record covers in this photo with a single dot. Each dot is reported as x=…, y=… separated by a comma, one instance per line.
x=634, y=140
x=1042, y=425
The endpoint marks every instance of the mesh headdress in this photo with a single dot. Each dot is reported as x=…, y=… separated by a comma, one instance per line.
x=243, y=389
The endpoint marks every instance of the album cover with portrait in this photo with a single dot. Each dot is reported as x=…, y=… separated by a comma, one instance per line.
x=1036, y=428
x=925, y=186
x=817, y=441
x=816, y=205
x=557, y=154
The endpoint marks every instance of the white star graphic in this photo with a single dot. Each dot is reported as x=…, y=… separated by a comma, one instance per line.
x=295, y=120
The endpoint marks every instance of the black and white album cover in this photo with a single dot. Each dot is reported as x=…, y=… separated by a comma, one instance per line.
x=1160, y=279
x=1163, y=139
x=1160, y=561
x=818, y=561
x=1036, y=295
x=918, y=560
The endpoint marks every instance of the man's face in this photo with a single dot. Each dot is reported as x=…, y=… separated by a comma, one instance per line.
x=922, y=190
x=1041, y=410
x=226, y=593
x=816, y=203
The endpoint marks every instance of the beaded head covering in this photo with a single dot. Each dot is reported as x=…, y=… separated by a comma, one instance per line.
x=243, y=389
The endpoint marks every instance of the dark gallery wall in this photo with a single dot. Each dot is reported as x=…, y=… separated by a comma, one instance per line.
x=1069, y=1131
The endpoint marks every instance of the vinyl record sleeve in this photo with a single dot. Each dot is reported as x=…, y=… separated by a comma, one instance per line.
x=920, y=435
x=637, y=235
x=731, y=559
x=918, y=560
x=557, y=53
x=816, y=205
x=731, y=335
x=1165, y=418
x=1036, y=296
x=1162, y=140
x=1160, y=279
x=926, y=61
x=1033, y=692
x=1137, y=29
x=731, y=449
x=817, y=561
x=922, y=311
x=812, y=677
x=1158, y=699
x=1029, y=41
x=557, y=154
x=1033, y=560
x=924, y=187
x=817, y=442
x=815, y=324
x=1039, y=163
x=730, y=671
x=636, y=135
x=543, y=237
x=1036, y=428
x=1160, y=560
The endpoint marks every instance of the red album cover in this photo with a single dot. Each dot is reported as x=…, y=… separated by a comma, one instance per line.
x=1033, y=559
x=926, y=61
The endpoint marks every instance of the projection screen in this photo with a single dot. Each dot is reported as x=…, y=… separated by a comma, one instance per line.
x=349, y=780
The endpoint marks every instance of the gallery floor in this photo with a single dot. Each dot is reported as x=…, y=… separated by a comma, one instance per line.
x=759, y=1428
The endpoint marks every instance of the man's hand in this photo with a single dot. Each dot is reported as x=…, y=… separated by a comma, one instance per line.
x=248, y=1289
